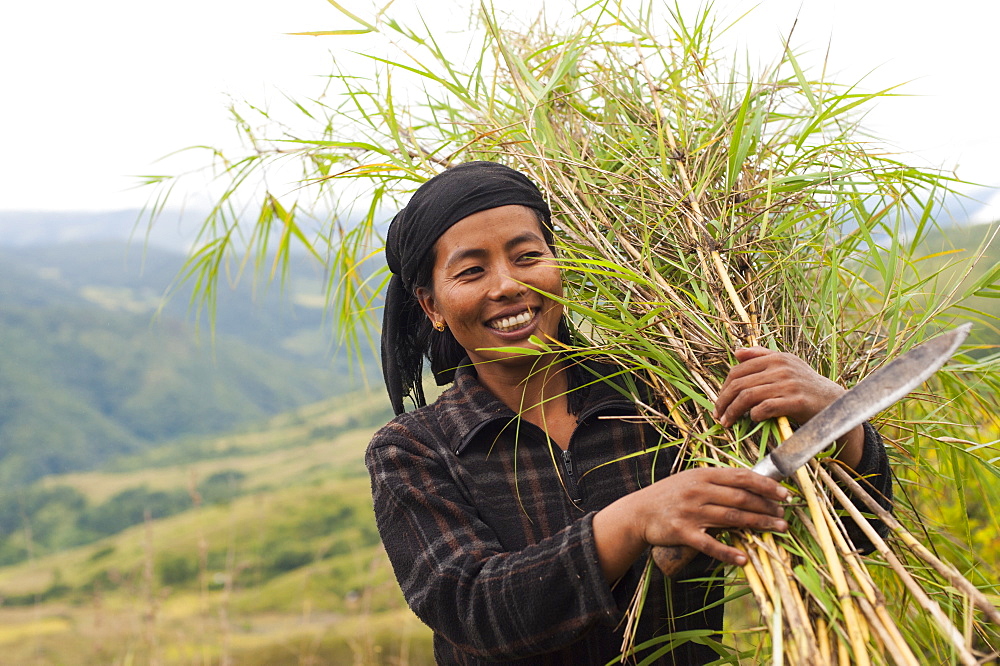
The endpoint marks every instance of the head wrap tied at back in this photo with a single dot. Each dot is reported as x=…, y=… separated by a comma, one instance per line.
x=439, y=203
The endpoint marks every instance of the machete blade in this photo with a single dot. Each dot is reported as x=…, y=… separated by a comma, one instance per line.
x=874, y=393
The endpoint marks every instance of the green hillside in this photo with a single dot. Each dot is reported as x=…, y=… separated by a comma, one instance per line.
x=79, y=386
x=271, y=558
x=89, y=371
x=956, y=251
x=141, y=541
x=130, y=278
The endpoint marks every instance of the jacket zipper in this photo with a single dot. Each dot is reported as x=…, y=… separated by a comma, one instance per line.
x=571, y=486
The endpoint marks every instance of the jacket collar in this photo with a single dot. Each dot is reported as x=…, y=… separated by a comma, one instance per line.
x=469, y=407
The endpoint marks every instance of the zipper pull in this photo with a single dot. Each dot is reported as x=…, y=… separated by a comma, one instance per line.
x=571, y=487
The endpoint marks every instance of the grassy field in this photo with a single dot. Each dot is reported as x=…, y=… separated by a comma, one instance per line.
x=289, y=571
x=285, y=567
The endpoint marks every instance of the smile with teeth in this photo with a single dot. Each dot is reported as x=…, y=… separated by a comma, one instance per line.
x=508, y=324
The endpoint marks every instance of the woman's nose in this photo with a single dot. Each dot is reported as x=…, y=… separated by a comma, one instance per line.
x=505, y=285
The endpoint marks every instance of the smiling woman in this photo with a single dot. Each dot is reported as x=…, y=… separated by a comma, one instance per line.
x=492, y=276
x=517, y=507
x=708, y=213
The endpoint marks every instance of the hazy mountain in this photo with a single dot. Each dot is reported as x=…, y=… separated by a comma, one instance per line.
x=284, y=318
x=89, y=370
x=174, y=231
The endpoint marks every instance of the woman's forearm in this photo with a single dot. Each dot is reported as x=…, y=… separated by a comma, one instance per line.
x=617, y=538
x=851, y=447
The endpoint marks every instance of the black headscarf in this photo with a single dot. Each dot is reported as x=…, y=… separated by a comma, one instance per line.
x=439, y=203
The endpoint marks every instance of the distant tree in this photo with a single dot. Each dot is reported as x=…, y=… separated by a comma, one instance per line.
x=131, y=507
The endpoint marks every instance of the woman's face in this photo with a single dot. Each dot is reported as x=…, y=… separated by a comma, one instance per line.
x=486, y=268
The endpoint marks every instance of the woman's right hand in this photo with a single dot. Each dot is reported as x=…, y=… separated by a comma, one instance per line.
x=682, y=509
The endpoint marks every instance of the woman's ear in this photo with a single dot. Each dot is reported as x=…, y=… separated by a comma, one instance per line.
x=426, y=299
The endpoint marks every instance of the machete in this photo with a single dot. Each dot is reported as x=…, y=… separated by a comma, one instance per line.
x=876, y=392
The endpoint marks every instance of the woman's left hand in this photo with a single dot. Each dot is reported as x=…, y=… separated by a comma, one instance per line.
x=766, y=384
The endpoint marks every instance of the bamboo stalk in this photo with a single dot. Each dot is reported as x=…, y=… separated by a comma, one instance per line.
x=774, y=606
x=733, y=296
x=850, y=556
x=631, y=618
x=777, y=635
x=757, y=587
x=854, y=631
x=823, y=640
x=843, y=654
x=875, y=623
x=882, y=622
x=948, y=630
x=795, y=616
x=959, y=581
x=901, y=651
x=799, y=601
x=763, y=571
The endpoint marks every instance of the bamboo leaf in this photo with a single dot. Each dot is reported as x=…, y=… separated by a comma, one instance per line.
x=334, y=33
x=987, y=285
x=354, y=17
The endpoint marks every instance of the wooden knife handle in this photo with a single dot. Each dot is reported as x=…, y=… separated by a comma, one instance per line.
x=671, y=559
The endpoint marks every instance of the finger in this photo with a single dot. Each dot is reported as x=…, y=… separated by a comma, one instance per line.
x=753, y=372
x=740, y=496
x=718, y=550
x=791, y=399
x=744, y=500
x=748, y=480
x=769, y=363
x=736, y=373
x=727, y=517
x=744, y=354
x=750, y=360
x=723, y=403
x=745, y=401
x=772, y=408
x=692, y=489
x=772, y=368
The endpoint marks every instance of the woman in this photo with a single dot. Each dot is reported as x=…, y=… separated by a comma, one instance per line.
x=515, y=517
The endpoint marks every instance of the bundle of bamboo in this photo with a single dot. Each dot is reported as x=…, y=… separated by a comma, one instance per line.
x=700, y=209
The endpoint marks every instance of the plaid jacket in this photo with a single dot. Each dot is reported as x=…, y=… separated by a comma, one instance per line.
x=489, y=530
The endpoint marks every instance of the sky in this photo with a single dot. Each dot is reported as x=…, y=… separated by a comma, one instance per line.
x=96, y=93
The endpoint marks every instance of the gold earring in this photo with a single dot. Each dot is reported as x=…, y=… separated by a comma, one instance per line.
x=439, y=326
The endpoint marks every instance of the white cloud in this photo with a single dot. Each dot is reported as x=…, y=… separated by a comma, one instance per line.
x=989, y=211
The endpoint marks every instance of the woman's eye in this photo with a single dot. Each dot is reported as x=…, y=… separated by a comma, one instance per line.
x=529, y=256
x=472, y=270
